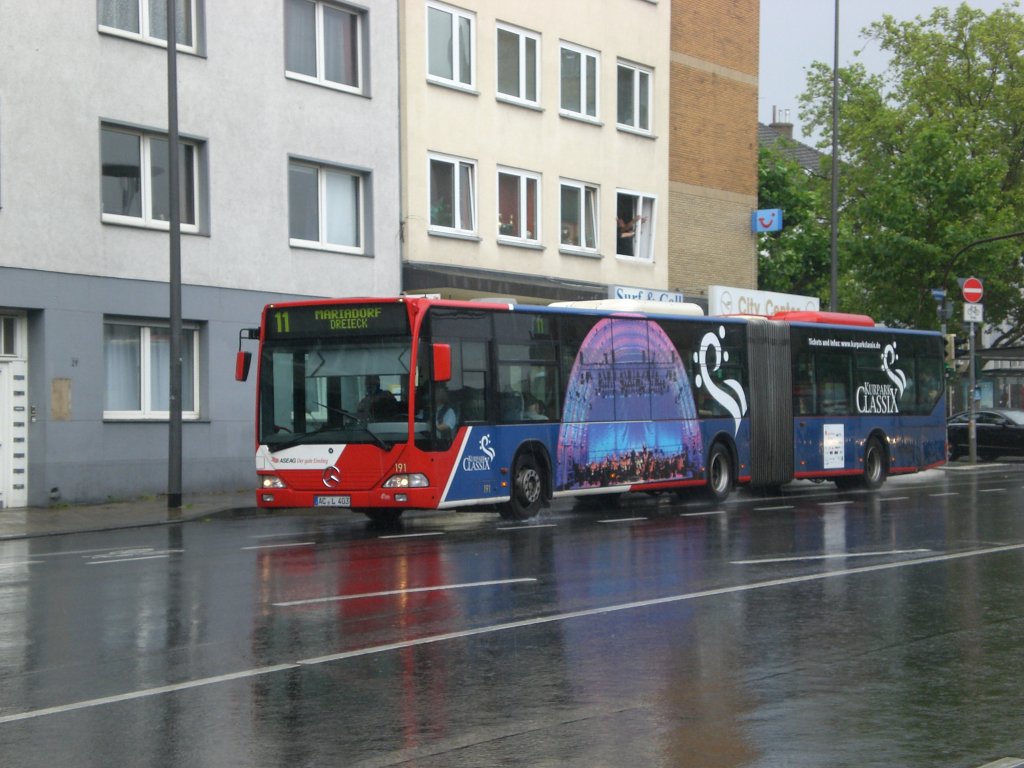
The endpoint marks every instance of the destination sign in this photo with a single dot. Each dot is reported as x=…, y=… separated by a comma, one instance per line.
x=289, y=321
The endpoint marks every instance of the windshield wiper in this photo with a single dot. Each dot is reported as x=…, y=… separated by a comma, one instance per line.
x=299, y=439
x=361, y=421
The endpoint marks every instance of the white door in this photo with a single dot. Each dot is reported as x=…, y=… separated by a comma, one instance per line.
x=14, y=413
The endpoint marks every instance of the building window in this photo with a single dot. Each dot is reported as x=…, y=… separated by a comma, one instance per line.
x=518, y=64
x=452, y=194
x=137, y=357
x=8, y=336
x=322, y=44
x=579, y=216
x=518, y=205
x=450, y=45
x=634, y=97
x=325, y=207
x=579, y=82
x=634, y=219
x=134, y=185
x=147, y=20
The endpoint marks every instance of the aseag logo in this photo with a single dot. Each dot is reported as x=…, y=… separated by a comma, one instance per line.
x=883, y=398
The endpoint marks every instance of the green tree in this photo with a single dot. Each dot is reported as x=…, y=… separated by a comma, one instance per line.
x=796, y=259
x=932, y=159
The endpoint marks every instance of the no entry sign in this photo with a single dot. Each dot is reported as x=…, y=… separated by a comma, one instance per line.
x=972, y=290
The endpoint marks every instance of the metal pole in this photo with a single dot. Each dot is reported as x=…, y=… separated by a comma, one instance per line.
x=834, y=282
x=972, y=429
x=174, y=392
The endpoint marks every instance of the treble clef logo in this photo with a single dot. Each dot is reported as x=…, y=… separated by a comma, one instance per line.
x=735, y=405
x=896, y=376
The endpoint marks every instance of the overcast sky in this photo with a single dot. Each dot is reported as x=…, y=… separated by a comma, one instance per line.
x=795, y=33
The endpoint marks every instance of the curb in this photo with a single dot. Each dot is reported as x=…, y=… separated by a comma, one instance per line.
x=185, y=518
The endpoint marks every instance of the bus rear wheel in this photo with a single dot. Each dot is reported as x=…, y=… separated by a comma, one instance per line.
x=874, y=465
x=720, y=473
x=527, y=489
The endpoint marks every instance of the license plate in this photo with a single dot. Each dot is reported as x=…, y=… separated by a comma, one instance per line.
x=332, y=501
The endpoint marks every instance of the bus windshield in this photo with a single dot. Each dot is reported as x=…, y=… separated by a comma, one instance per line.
x=334, y=390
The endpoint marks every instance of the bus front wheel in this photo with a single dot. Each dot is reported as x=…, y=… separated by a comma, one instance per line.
x=383, y=518
x=527, y=489
x=720, y=473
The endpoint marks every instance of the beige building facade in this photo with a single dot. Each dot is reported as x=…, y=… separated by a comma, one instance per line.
x=535, y=147
x=713, y=145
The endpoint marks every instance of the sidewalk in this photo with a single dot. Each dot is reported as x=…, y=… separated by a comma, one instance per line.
x=30, y=522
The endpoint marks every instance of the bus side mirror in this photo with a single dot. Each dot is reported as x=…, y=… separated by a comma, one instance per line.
x=242, y=362
x=442, y=362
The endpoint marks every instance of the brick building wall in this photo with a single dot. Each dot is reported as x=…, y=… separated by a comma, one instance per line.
x=713, y=144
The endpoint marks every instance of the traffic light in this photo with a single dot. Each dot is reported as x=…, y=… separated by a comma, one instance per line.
x=962, y=347
x=950, y=347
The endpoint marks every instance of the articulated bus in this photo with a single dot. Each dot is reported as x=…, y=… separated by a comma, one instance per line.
x=384, y=405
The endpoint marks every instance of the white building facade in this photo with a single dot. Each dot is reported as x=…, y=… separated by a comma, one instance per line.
x=290, y=177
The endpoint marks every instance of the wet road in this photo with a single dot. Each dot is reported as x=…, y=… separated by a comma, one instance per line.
x=818, y=628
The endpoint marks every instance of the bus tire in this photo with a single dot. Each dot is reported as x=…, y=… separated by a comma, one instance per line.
x=527, y=492
x=719, y=473
x=875, y=465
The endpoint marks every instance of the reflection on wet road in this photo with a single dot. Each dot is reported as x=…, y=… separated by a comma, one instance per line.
x=813, y=628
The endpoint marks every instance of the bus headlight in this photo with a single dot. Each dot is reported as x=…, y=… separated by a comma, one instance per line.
x=407, y=481
x=272, y=481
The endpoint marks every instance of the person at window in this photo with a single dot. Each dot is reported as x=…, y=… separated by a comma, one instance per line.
x=626, y=230
x=444, y=415
x=378, y=402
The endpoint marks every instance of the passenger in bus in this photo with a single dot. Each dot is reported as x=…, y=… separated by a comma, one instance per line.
x=378, y=403
x=445, y=418
x=535, y=411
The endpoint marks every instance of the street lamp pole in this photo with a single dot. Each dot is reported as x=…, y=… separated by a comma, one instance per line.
x=834, y=281
x=174, y=392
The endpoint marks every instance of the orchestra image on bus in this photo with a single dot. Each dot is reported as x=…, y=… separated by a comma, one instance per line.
x=386, y=405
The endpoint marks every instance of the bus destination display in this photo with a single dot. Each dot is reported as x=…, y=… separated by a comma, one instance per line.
x=337, y=320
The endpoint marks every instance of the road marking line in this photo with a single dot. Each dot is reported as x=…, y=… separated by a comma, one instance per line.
x=842, y=503
x=525, y=527
x=494, y=628
x=947, y=493
x=390, y=592
x=127, y=559
x=623, y=520
x=703, y=514
x=834, y=556
x=893, y=498
x=146, y=693
x=281, y=546
x=274, y=535
x=20, y=563
x=990, y=490
x=772, y=509
x=411, y=535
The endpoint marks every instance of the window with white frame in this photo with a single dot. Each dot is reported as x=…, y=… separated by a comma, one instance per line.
x=134, y=182
x=518, y=205
x=634, y=224
x=452, y=194
x=146, y=20
x=323, y=44
x=579, y=216
x=451, y=45
x=325, y=207
x=518, y=64
x=138, y=364
x=634, y=97
x=579, y=78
